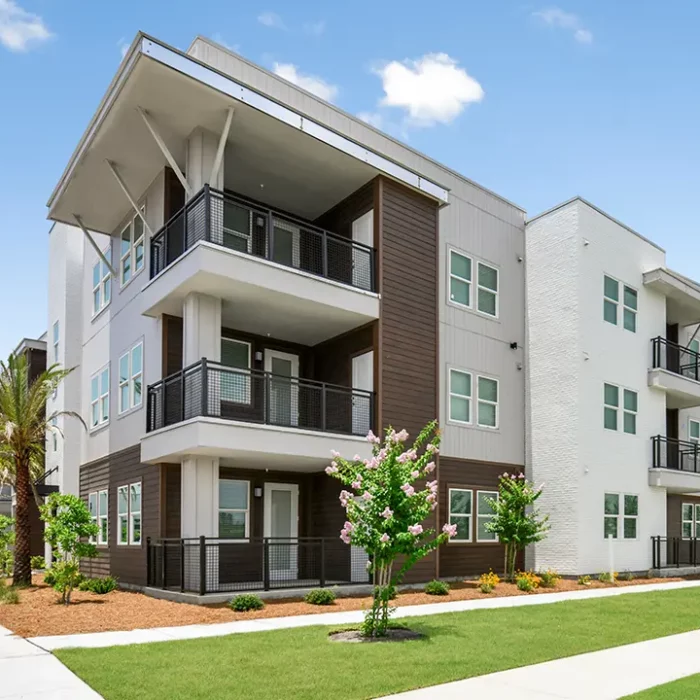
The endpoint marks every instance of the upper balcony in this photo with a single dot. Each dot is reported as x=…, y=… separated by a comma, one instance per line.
x=676, y=370
x=675, y=464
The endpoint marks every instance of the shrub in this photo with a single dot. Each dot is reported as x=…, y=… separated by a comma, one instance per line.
x=584, y=580
x=527, y=581
x=7, y=539
x=245, y=602
x=8, y=595
x=101, y=586
x=607, y=577
x=489, y=579
x=437, y=588
x=486, y=588
x=626, y=576
x=549, y=578
x=49, y=577
x=38, y=562
x=320, y=596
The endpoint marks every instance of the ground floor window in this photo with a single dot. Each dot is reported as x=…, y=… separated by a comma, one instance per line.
x=470, y=529
x=690, y=520
x=621, y=511
x=129, y=514
x=98, y=504
x=234, y=509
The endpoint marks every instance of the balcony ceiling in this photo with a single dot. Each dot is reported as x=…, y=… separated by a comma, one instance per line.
x=682, y=295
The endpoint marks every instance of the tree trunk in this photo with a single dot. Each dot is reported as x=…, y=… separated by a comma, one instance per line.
x=23, y=493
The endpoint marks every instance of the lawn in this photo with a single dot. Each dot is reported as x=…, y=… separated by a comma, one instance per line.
x=302, y=663
x=683, y=689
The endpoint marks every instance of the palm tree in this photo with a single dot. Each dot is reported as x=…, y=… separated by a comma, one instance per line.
x=23, y=427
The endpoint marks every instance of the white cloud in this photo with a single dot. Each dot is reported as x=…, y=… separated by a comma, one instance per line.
x=556, y=17
x=432, y=89
x=19, y=28
x=312, y=83
x=122, y=46
x=373, y=118
x=271, y=19
x=315, y=28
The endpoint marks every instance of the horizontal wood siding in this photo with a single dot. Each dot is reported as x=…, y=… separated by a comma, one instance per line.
x=171, y=500
x=333, y=358
x=95, y=477
x=674, y=502
x=339, y=219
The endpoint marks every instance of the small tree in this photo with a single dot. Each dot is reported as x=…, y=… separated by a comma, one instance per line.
x=69, y=528
x=516, y=521
x=385, y=511
x=7, y=539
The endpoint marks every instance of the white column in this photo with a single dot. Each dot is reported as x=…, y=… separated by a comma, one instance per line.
x=201, y=152
x=201, y=328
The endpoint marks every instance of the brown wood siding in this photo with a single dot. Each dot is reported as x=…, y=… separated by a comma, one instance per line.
x=674, y=502
x=339, y=219
x=95, y=477
x=172, y=504
x=172, y=344
x=333, y=358
x=173, y=194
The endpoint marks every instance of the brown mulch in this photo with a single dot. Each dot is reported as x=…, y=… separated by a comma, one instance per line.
x=38, y=612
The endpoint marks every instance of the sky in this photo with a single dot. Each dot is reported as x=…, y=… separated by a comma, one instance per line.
x=538, y=102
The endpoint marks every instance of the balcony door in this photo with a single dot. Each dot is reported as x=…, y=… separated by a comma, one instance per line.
x=362, y=378
x=281, y=525
x=362, y=232
x=286, y=243
x=282, y=387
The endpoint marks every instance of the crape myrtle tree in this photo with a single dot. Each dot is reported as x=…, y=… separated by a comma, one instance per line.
x=386, y=508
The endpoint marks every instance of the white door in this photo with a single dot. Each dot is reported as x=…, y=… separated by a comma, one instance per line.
x=363, y=232
x=362, y=378
x=282, y=387
x=280, y=524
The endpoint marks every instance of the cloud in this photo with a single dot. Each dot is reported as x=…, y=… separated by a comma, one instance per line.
x=432, y=89
x=272, y=20
x=375, y=119
x=19, y=28
x=122, y=46
x=315, y=28
x=556, y=17
x=312, y=83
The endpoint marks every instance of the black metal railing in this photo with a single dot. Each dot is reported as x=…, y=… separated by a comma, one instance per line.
x=209, y=389
x=239, y=224
x=676, y=358
x=674, y=552
x=671, y=453
x=212, y=565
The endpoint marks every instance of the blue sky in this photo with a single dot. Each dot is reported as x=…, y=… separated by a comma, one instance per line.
x=538, y=101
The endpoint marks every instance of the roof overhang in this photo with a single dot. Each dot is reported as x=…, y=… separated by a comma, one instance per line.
x=682, y=295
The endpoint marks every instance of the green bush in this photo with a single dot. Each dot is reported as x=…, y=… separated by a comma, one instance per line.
x=486, y=587
x=437, y=588
x=49, y=577
x=320, y=596
x=549, y=578
x=527, y=581
x=245, y=602
x=38, y=562
x=8, y=595
x=607, y=577
x=101, y=586
x=584, y=580
x=626, y=576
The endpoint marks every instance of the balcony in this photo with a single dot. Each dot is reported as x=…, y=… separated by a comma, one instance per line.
x=278, y=273
x=675, y=464
x=254, y=417
x=676, y=370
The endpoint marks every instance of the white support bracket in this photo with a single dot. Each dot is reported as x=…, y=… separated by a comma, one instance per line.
x=222, y=145
x=129, y=196
x=166, y=151
x=80, y=223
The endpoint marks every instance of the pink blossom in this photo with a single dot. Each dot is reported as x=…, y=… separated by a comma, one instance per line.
x=371, y=463
x=415, y=474
x=432, y=485
x=449, y=530
x=415, y=529
x=357, y=485
x=331, y=469
x=372, y=438
x=431, y=449
x=349, y=526
x=387, y=513
x=430, y=467
x=402, y=458
x=512, y=476
x=408, y=489
x=505, y=475
x=357, y=458
x=521, y=476
x=401, y=436
x=367, y=496
x=384, y=538
x=345, y=496
x=431, y=498
x=433, y=505
x=381, y=455
x=335, y=453
x=345, y=536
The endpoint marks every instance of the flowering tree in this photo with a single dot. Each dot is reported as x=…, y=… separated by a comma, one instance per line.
x=385, y=510
x=516, y=521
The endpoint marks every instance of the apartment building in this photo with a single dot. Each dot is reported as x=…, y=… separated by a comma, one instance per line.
x=613, y=395
x=246, y=278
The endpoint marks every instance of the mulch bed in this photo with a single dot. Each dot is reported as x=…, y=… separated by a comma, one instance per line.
x=39, y=614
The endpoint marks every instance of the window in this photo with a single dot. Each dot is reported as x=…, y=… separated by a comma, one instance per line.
x=234, y=503
x=621, y=517
x=54, y=433
x=55, y=342
x=694, y=346
x=98, y=506
x=99, y=398
x=611, y=303
x=484, y=514
x=629, y=418
x=487, y=294
x=132, y=248
x=460, y=396
x=690, y=520
x=129, y=514
x=101, y=285
x=130, y=378
x=461, y=514
x=460, y=279
x=487, y=412
x=237, y=226
x=92, y=507
x=694, y=430
x=611, y=401
x=629, y=312
x=235, y=386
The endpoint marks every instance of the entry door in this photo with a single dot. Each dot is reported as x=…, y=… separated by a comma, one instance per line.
x=280, y=516
x=362, y=232
x=286, y=243
x=282, y=387
x=362, y=378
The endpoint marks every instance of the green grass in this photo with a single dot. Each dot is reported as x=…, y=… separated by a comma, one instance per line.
x=683, y=689
x=302, y=663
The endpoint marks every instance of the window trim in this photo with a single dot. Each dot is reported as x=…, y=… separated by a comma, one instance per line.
x=694, y=520
x=496, y=293
x=490, y=516
x=690, y=432
x=473, y=283
x=488, y=402
x=101, y=285
x=470, y=516
x=473, y=399
x=246, y=537
x=620, y=304
x=625, y=287
x=129, y=516
x=97, y=376
x=620, y=517
x=469, y=282
x=98, y=517
x=245, y=374
x=132, y=541
x=620, y=410
x=469, y=399
x=131, y=253
x=121, y=411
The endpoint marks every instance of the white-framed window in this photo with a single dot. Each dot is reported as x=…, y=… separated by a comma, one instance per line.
x=237, y=226
x=611, y=303
x=92, y=507
x=460, y=279
x=54, y=433
x=101, y=285
x=99, y=398
x=611, y=408
x=460, y=396
x=487, y=293
x=234, y=509
x=98, y=504
x=235, y=385
x=690, y=520
x=461, y=284
x=621, y=512
x=56, y=334
x=484, y=514
x=693, y=430
x=487, y=409
x=129, y=514
x=460, y=502
x=611, y=299
x=629, y=308
x=131, y=378
x=131, y=256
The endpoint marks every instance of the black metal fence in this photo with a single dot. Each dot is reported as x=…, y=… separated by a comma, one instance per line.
x=253, y=396
x=672, y=453
x=238, y=224
x=211, y=565
x=674, y=552
x=676, y=358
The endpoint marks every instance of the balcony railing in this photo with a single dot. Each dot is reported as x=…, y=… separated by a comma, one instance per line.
x=675, y=358
x=209, y=389
x=213, y=565
x=238, y=224
x=674, y=552
x=671, y=453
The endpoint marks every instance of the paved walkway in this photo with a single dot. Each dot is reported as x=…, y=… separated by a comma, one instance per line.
x=165, y=634
x=603, y=675
x=26, y=671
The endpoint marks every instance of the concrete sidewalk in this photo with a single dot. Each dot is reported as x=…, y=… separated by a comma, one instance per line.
x=603, y=675
x=26, y=671
x=169, y=634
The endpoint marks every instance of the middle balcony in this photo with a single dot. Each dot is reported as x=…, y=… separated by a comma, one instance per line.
x=278, y=271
